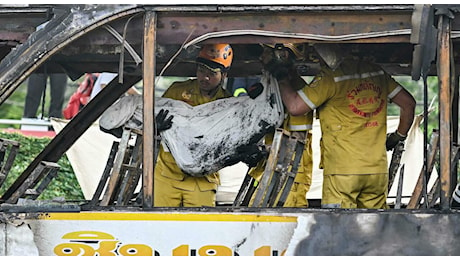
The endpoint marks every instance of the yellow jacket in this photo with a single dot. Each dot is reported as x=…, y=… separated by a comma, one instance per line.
x=189, y=92
x=352, y=106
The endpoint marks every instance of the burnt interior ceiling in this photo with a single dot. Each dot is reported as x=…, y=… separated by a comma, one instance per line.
x=103, y=53
x=17, y=23
x=395, y=57
x=99, y=50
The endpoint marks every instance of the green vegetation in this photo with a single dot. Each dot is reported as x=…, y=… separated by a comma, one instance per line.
x=64, y=185
x=416, y=89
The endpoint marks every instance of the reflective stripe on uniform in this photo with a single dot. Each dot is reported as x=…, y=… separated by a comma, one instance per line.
x=359, y=76
x=306, y=100
x=239, y=91
x=304, y=127
x=394, y=92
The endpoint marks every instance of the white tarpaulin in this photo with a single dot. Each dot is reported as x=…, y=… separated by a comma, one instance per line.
x=204, y=138
x=88, y=155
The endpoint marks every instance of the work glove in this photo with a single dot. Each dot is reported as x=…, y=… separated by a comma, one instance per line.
x=163, y=123
x=255, y=89
x=393, y=139
x=252, y=154
x=117, y=132
x=278, y=62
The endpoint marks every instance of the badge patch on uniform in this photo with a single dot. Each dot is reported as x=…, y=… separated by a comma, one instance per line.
x=366, y=99
x=315, y=82
x=186, y=95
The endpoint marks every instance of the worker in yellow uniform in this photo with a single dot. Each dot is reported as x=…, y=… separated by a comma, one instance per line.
x=350, y=97
x=301, y=128
x=172, y=187
x=298, y=126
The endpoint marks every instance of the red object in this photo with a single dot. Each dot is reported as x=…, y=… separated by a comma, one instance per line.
x=33, y=133
x=81, y=97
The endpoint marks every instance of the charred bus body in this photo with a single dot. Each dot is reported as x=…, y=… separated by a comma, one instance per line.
x=135, y=40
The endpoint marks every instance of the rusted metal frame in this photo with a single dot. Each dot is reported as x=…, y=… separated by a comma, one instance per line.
x=425, y=173
x=40, y=171
x=269, y=168
x=175, y=28
x=115, y=176
x=105, y=175
x=435, y=191
x=454, y=122
x=284, y=8
x=37, y=52
x=291, y=174
x=48, y=176
x=455, y=105
x=445, y=140
x=284, y=173
x=395, y=163
x=76, y=127
x=12, y=148
x=149, y=142
x=399, y=189
x=284, y=156
x=454, y=167
x=27, y=18
x=244, y=188
x=132, y=171
x=82, y=121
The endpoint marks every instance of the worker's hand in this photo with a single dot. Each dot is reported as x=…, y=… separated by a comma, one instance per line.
x=255, y=89
x=161, y=120
x=252, y=154
x=277, y=61
x=393, y=139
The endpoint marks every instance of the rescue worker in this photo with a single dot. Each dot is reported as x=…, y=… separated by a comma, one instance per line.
x=301, y=127
x=172, y=187
x=350, y=97
x=298, y=126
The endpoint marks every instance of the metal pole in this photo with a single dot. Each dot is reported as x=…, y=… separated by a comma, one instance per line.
x=444, y=76
x=149, y=109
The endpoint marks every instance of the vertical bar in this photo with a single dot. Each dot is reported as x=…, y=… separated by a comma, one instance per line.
x=455, y=109
x=149, y=106
x=399, y=190
x=455, y=105
x=445, y=140
x=112, y=185
x=105, y=175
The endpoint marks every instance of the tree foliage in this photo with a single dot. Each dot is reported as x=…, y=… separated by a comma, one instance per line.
x=64, y=185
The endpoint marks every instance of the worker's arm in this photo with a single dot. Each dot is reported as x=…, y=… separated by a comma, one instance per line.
x=291, y=99
x=289, y=80
x=406, y=103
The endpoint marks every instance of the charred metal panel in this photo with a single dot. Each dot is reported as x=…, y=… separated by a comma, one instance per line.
x=71, y=24
x=176, y=28
x=99, y=50
x=317, y=232
x=17, y=23
x=379, y=233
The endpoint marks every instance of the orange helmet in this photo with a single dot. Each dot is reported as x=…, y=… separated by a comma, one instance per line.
x=216, y=56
